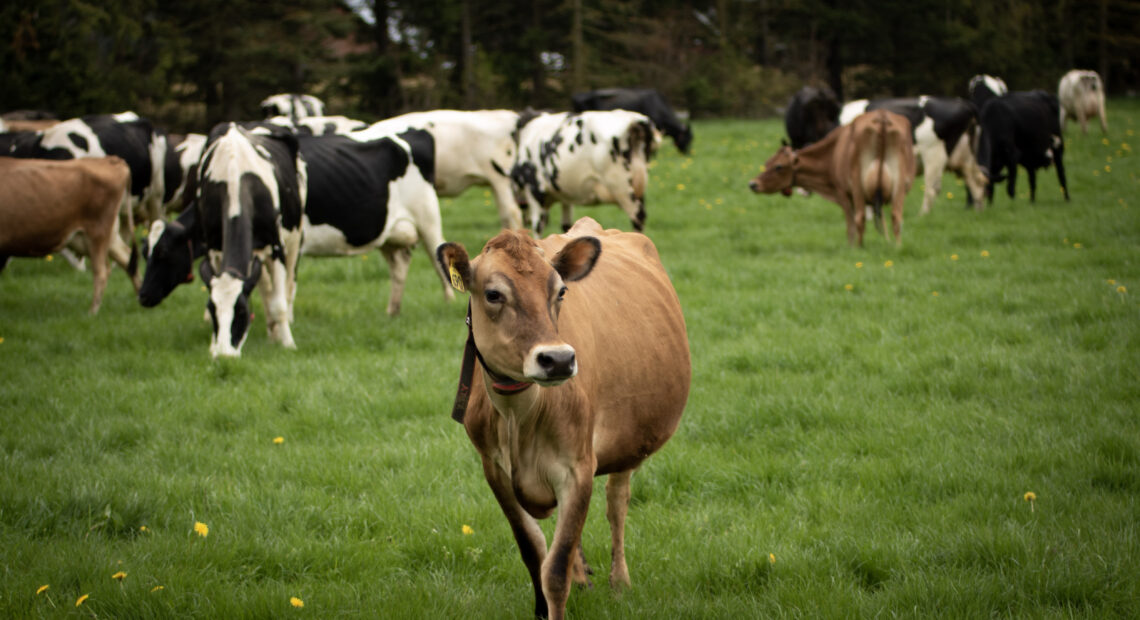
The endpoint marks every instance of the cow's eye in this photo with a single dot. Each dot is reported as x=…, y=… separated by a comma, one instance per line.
x=561, y=293
x=494, y=297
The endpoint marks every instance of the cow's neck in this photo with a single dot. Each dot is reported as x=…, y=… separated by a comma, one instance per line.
x=812, y=170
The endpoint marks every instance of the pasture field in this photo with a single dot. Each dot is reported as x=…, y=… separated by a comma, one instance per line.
x=864, y=428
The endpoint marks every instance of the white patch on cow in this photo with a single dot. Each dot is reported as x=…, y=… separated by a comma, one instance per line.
x=125, y=117
x=156, y=230
x=851, y=109
x=59, y=137
x=995, y=84
x=224, y=292
x=234, y=155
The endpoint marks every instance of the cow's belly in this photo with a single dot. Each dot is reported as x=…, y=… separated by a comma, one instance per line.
x=326, y=240
x=450, y=183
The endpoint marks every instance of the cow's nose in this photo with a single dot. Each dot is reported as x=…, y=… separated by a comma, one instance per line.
x=551, y=365
x=753, y=185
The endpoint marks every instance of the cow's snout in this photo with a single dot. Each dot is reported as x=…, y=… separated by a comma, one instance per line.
x=754, y=186
x=551, y=365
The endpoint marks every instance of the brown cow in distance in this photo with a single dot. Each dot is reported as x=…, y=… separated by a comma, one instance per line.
x=44, y=202
x=585, y=369
x=870, y=161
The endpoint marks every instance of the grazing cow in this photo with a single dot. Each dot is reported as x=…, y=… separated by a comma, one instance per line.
x=250, y=196
x=985, y=87
x=319, y=125
x=1021, y=128
x=126, y=135
x=646, y=101
x=942, y=130
x=293, y=106
x=869, y=161
x=811, y=114
x=586, y=158
x=471, y=148
x=43, y=203
x=364, y=192
x=182, y=154
x=585, y=368
x=1081, y=94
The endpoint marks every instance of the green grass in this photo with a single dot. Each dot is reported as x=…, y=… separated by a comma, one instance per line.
x=878, y=441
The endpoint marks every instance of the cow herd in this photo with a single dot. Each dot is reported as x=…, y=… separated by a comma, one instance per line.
x=250, y=198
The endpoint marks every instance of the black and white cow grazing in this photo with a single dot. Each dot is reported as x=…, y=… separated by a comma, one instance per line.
x=182, y=154
x=368, y=191
x=126, y=135
x=250, y=197
x=319, y=125
x=647, y=101
x=942, y=128
x=292, y=105
x=985, y=87
x=811, y=114
x=585, y=158
x=474, y=147
x=1081, y=94
x=1021, y=128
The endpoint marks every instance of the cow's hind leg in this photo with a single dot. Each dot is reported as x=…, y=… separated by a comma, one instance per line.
x=274, y=287
x=399, y=260
x=1059, y=161
x=617, y=506
x=567, y=216
x=1031, y=173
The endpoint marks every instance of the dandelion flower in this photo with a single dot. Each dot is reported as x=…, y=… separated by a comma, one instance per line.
x=202, y=529
x=889, y=264
x=119, y=576
x=1030, y=496
x=40, y=590
x=79, y=601
x=296, y=602
x=859, y=265
x=950, y=195
x=1120, y=289
x=49, y=258
x=985, y=254
x=771, y=558
x=1076, y=246
x=1110, y=281
x=849, y=287
x=1107, y=168
x=143, y=528
x=934, y=293
x=157, y=588
x=278, y=440
x=680, y=187
x=953, y=257
x=467, y=530
x=1, y=340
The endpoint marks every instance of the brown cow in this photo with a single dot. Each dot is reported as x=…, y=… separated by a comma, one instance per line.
x=572, y=389
x=44, y=202
x=869, y=161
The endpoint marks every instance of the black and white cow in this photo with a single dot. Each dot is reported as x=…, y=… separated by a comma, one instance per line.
x=292, y=105
x=984, y=87
x=942, y=129
x=1081, y=94
x=811, y=114
x=182, y=154
x=250, y=197
x=647, y=101
x=474, y=147
x=585, y=158
x=319, y=125
x=367, y=191
x=126, y=135
x=1021, y=128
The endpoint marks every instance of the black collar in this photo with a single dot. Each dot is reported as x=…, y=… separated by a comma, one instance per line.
x=499, y=383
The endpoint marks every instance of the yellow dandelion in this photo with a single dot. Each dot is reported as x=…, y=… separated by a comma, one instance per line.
x=1110, y=281
x=1120, y=289
x=278, y=440
x=953, y=257
x=363, y=257
x=1, y=340
x=950, y=195
x=680, y=187
x=40, y=590
x=859, y=265
x=985, y=254
x=467, y=530
x=143, y=528
x=202, y=529
x=296, y=602
x=1107, y=168
x=1030, y=496
x=771, y=558
x=79, y=601
x=204, y=289
x=934, y=293
x=119, y=576
x=849, y=287
x=1077, y=246
x=889, y=264
x=720, y=201
x=49, y=258
x=157, y=588
x=1108, y=159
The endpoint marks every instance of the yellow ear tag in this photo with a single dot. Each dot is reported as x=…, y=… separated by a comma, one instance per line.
x=456, y=279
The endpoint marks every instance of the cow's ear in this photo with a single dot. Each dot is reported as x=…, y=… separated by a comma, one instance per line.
x=254, y=276
x=453, y=259
x=577, y=258
x=206, y=272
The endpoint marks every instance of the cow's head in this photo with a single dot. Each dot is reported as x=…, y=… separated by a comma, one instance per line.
x=229, y=307
x=169, y=261
x=778, y=173
x=516, y=294
x=684, y=139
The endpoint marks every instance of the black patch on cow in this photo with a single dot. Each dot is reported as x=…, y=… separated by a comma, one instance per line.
x=647, y=101
x=348, y=183
x=498, y=168
x=812, y=113
x=171, y=261
x=78, y=140
x=171, y=168
x=525, y=175
x=423, y=151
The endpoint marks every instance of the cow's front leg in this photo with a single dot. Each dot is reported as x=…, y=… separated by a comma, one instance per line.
x=274, y=287
x=1032, y=174
x=567, y=216
x=1011, y=182
x=573, y=504
x=528, y=535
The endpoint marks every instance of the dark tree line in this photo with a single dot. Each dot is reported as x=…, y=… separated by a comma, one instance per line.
x=194, y=62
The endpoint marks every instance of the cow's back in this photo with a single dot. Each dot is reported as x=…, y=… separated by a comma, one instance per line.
x=879, y=155
x=625, y=323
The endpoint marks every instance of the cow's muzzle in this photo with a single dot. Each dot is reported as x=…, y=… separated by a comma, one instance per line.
x=551, y=365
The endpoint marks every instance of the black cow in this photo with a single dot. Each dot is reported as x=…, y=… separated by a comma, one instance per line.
x=365, y=191
x=811, y=114
x=647, y=101
x=249, y=201
x=1021, y=128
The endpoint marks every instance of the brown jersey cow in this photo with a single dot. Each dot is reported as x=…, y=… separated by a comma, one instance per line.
x=870, y=161
x=44, y=202
x=585, y=371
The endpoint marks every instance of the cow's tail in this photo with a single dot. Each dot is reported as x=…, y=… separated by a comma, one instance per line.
x=882, y=125
x=641, y=139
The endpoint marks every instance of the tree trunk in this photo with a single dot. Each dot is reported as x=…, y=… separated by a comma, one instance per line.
x=578, y=79
x=539, y=75
x=468, y=59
